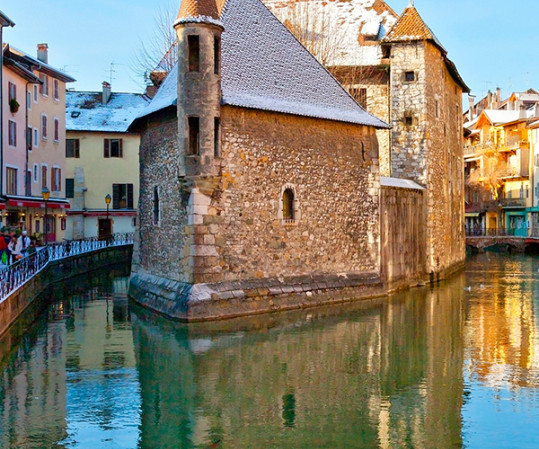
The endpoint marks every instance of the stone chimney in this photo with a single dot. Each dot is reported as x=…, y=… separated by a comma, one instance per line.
x=107, y=92
x=498, y=97
x=470, y=107
x=43, y=53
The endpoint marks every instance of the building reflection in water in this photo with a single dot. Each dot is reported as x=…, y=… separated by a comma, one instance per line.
x=501, y=337
x=72, y=379
x=388, y=375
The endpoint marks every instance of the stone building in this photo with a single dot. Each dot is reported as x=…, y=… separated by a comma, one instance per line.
x=260, y=175
x=400, y=71
x=256, y=167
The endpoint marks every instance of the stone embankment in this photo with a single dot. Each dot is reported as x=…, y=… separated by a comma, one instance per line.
x=56, y=271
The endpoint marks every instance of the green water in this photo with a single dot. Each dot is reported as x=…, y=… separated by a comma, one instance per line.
x=448, y=367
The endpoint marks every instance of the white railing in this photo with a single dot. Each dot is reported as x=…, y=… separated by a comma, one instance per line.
x=16, y=275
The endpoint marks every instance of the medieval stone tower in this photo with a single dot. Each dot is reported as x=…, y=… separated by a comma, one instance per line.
x=426, y=137
x=199, y=89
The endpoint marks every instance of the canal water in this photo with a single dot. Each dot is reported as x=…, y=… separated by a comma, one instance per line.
x=448, y=367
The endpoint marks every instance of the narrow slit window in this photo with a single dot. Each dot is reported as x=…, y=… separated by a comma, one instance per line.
x=194, y=135
x=216, y=54
x=217, y=138
x=193, y=44
x=156, y=206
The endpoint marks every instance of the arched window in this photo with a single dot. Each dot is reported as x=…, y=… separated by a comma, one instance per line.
x=288, y=204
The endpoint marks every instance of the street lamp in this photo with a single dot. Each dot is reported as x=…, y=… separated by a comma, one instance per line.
x=46, y=193
x=108, y=200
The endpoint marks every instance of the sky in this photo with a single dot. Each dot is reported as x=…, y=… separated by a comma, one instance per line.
x=492, y=42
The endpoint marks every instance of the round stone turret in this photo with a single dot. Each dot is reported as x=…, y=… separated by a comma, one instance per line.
x=199, y=87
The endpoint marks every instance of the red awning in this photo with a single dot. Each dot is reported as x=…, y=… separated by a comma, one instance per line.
x=38, y=204
x=112, y=213
x=2, y=206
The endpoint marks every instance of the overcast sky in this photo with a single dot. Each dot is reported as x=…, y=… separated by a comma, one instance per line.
x=493, y=42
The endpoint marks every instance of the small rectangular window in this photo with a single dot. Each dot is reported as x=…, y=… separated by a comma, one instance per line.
x=360, y=95
x=56, y=129
x=29, y=133
x=36, y=140
x=36, y=173
x=409, y=76
x=73, y=148
x=43, y=176
x=113, y=148
x=12, y=133
x=217, y=137
x=216, y=54
x=194, y=135
x=36, y=97
x=193, y=44
x=56, y=89
x=11, y=181
x=122, y=196
x=29, y=100
x=70, y=187
x=44, y=86
x=44, y=126
x=12, y=88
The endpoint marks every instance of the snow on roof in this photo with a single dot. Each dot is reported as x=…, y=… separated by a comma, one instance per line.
x=341, y=23
x=399, y=183
x=265, y=67
x=499, y=116
x=471, y=123
x=86, y=112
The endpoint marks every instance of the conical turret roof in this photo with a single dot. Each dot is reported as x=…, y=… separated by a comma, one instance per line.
x=411, y=27
x=198, y=9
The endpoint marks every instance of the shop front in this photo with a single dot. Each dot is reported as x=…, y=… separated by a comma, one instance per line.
x=44, y=221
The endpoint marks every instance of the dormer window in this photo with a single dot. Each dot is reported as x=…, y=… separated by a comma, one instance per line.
x=193, y=44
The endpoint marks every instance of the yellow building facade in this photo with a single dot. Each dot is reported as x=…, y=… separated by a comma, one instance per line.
x=102, y=163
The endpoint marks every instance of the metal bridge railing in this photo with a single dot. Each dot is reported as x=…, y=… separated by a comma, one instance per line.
x=16, y=275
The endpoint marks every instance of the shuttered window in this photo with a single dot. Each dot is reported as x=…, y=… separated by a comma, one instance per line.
x=122, y=196
x=113, y=148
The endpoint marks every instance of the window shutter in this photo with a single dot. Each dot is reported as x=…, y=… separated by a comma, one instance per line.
x=130, y=196
x=59, y=183
x=107, y=148
x=115, y=196
x=53, y=187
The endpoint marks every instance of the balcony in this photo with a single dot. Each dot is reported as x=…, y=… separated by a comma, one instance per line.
x=506, y=203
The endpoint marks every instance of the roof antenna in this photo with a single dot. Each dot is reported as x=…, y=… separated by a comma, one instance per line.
x=411, y=4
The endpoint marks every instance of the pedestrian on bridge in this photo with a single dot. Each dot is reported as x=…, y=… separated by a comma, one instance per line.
x=23, y=243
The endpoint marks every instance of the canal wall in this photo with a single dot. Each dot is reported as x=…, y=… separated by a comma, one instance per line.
x=57, y=271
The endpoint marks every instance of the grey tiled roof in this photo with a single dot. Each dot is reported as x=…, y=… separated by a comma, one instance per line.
x=265, y=67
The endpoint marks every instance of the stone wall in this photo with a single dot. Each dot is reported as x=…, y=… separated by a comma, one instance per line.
x=427, y=147
x=160, y=246
x=408, y=100
x=402, y=237
x=445, y=203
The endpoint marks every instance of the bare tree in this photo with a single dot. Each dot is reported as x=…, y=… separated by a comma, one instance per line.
x=158, y=55
x=492, y=171
x=312, y=24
